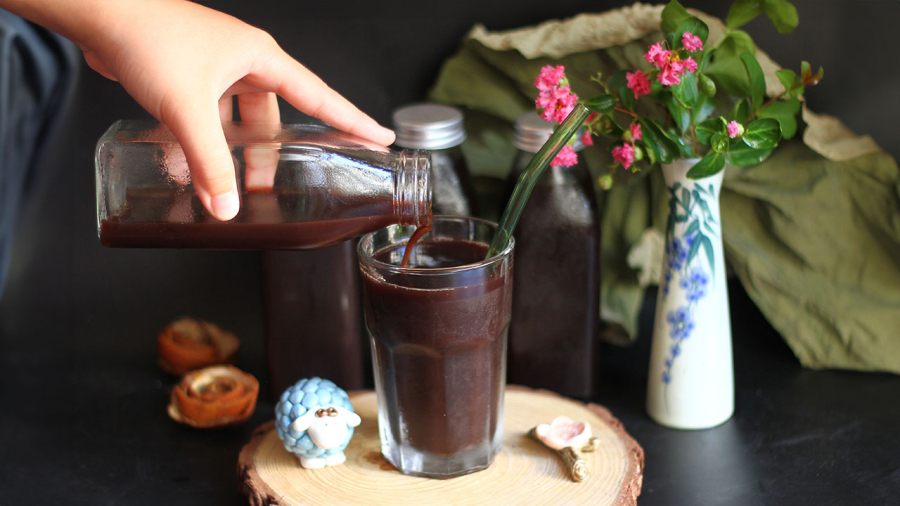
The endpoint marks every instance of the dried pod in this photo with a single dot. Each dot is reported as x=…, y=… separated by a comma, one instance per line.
x=188, y=344
x=214, y=397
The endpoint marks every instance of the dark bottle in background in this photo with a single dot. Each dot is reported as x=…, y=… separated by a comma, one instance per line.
x=553, y=337
x=439, y=129
x=313, y=324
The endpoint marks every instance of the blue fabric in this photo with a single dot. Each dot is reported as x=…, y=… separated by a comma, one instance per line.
x=37, y=70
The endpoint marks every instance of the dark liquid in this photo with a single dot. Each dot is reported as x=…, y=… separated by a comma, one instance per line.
x=555, y=328
x=440, y=351
x=313, y=319
x=275, y=219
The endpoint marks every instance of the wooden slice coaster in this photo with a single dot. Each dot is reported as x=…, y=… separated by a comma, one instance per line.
x=524, y=472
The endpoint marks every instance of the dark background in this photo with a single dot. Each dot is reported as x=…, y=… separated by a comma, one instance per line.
x=82, y=402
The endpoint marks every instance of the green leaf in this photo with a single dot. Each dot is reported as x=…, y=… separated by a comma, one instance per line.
x=785, y=112
x=757, y=79
x=707, y=214
x=718, y=142
x=616, y=82
x=705, y=106
x=742, y=12
x=782, y=14
x=709, y=165
x=686, y=90
x=693, y=228
x=710, y=253
x=686, y=198
x=740, y=111
x=601, y=104
x=710, y=229
x=627, y=97
x=707, y=86
x=681, y=218
x=787, y=77
x=672, y=16
x=710, y=127
x=762, y=134
x=726, y=69
x=741, y=155
x=806, y=75
x=705, y=60
x=680, y=114
x=695, y=247
x=659, y=146
x=683, y=147
x=694, y=26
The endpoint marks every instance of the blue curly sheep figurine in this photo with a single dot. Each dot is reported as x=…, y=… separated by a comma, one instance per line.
x=315, y=420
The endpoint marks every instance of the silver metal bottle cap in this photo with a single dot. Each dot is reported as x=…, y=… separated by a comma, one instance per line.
x=532, y=132
x=429, y=126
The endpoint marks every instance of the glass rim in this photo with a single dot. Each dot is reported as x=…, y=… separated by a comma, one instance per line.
x=370, y=260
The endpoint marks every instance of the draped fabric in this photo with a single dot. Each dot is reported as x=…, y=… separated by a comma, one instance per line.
x=812, y=233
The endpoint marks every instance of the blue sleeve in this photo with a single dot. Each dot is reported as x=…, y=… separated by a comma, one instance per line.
x=37, y=70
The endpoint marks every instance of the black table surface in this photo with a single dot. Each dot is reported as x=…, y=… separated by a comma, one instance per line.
x=82, y=401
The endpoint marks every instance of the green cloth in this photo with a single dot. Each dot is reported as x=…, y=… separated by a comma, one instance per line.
x=815, y=241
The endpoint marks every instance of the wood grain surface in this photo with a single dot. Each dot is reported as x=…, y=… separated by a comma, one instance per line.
x=524, y=472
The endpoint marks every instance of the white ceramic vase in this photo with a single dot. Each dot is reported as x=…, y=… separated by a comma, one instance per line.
x=691, y=380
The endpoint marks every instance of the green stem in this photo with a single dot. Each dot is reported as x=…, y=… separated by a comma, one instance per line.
x=773, y=100
x=530, y=177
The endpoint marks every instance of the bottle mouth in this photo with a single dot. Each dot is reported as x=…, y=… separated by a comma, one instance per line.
x=413, y=199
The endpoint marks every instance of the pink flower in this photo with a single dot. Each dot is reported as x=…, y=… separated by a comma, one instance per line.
x=565, y=158
x=638, y=83
x=657, y=56
x=670, y=75
x=636, y=134
x=591, y=117
x=586, y=138
x=690, y=65
x=550, y=77
x=735, y=129
x=691, y=42
x=556, y=103
x=624, y=154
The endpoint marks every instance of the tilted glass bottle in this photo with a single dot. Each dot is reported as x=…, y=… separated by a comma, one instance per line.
x=553, y=336
x=301, y=187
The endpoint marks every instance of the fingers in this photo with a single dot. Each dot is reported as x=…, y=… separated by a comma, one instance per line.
x=199, y=131
x=226, y=108
x=261, y=161
x=305, y=91
x=259, y=107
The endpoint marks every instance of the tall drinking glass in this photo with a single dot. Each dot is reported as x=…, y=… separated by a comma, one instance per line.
x=438, y=331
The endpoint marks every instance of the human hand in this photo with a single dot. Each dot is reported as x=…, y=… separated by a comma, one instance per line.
x=183, y=62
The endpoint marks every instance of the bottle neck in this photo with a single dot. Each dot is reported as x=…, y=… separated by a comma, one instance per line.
x=412, y=188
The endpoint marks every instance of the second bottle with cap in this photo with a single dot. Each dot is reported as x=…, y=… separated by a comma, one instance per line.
x=440, y=130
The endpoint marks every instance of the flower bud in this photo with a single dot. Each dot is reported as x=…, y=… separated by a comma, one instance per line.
x=605, y=182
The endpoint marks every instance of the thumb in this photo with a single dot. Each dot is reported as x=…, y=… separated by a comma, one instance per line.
x=212, y=169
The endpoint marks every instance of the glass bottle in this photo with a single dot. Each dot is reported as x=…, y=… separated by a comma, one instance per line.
x=301, y=187
x=553, y=337
x=439, y=129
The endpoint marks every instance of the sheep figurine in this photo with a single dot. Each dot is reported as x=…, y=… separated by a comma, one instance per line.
x=315, y=420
